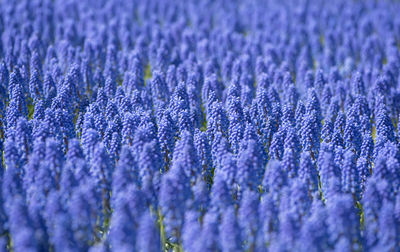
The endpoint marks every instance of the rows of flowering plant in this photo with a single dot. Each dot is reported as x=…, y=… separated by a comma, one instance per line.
x=199, y=125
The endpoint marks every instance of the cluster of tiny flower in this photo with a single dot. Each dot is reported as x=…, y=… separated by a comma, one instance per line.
x=199, y=125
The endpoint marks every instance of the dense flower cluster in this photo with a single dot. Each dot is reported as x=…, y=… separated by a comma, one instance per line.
x=199, y=125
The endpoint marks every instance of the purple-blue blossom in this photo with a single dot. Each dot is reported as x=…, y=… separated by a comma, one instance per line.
x=199, y=125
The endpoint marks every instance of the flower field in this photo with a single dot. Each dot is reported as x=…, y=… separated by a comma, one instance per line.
x=199, y=125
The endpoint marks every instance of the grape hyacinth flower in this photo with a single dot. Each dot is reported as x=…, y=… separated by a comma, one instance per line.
x=199, y=125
